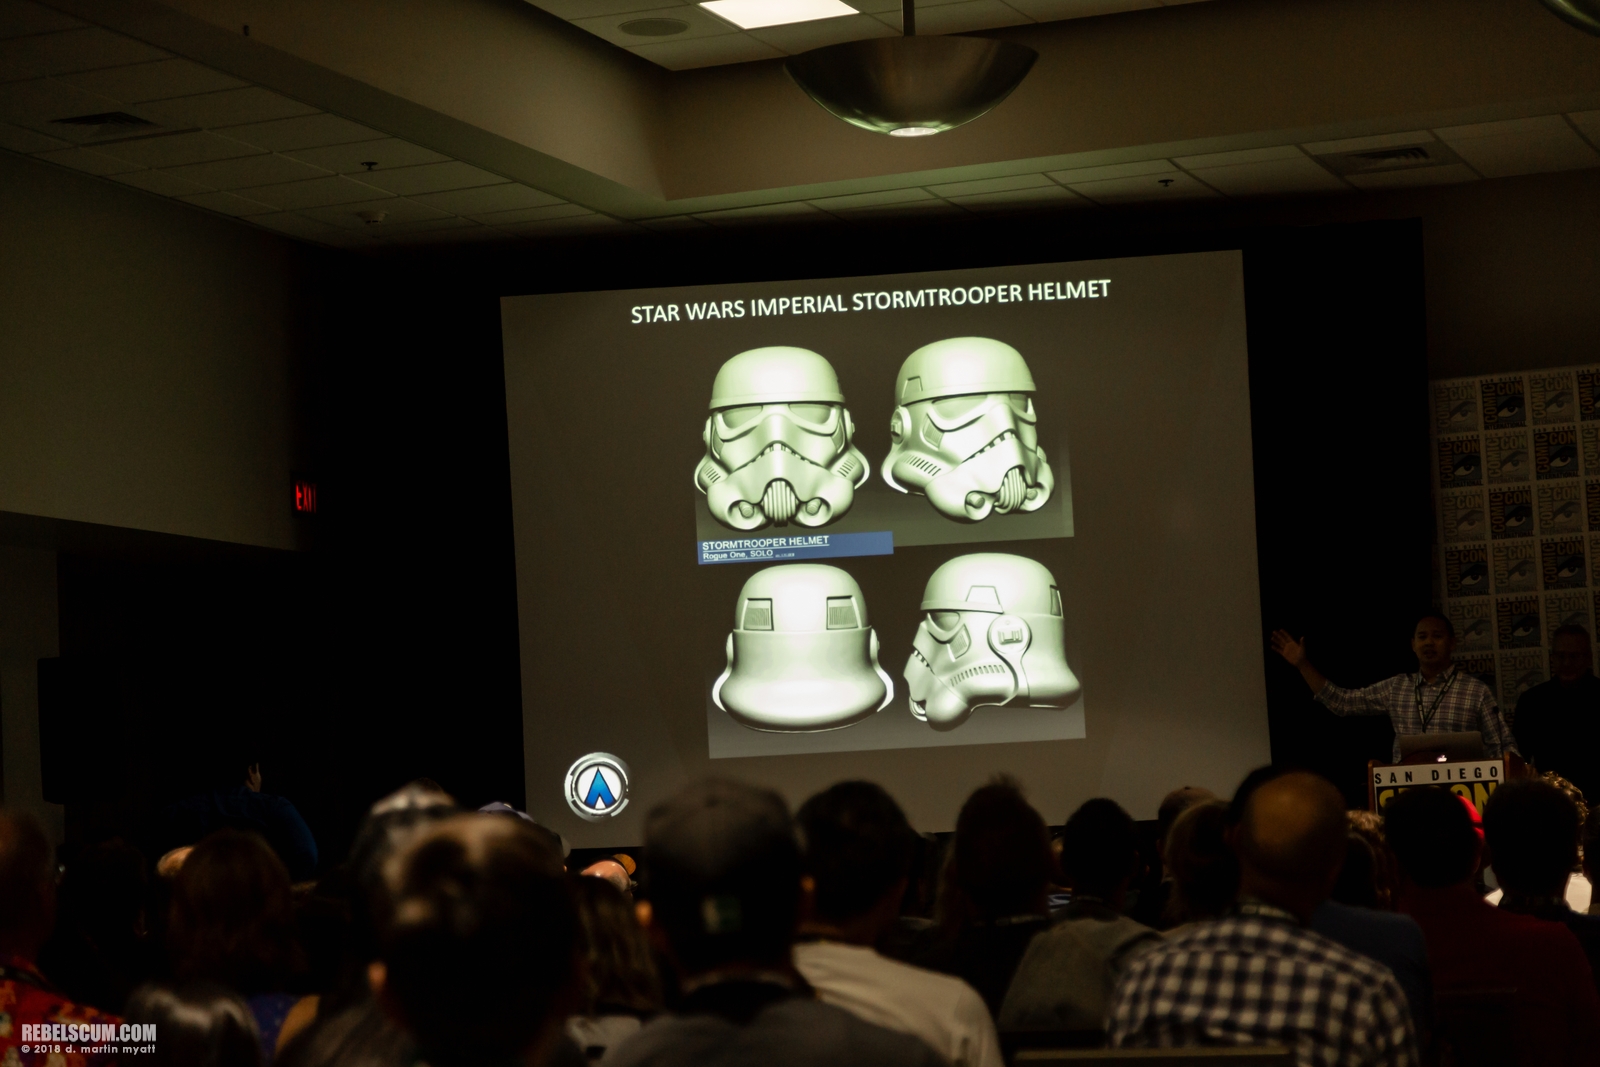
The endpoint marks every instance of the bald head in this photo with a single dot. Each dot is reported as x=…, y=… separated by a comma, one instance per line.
x=1293, y=831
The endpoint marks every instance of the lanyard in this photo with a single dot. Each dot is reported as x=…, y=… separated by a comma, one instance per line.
x=1427, y=716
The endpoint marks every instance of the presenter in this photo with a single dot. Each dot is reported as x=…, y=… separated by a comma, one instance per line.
x=1440, y=698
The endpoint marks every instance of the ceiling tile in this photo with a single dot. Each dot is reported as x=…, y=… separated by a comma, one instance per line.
x=1271, y=178
x=35, y=103
x=1019, y=198
x=804, y=36
x=794, y=210
x=853, y=201
x=473, y=234
x=1588, y=123
x=992, y=185
x=1112, y=170
x=1367, y=144
x=1050, y=10
x=431, y=178
x=700, y=23
x=21, y=17
x=561, y=227
x=305, y=131
x=1172, y=185
x=387, y=228
x=17, y=139
x=228, y=204
x=1520, y=146
x=395, y=209
x=295, y=225
x=159, y=182
x=706, y=51
x=316, y=192
x=140, y=82
x=673, y=223
x=178, y=149
x=572, y=10
x=1248, y=155
x=1453, y=174
x=85, y=160
x=250, y=170
x=504, y=197
x=962, y=17
x=387, y=152
x=70, y=50
x=231, y=107
x=532, y=214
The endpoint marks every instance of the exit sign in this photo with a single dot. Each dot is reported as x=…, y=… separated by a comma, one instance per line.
x=305, y=497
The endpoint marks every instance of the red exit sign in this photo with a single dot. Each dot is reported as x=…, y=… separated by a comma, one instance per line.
x=305, y=497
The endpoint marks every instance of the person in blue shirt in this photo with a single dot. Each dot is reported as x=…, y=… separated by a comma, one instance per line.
x=243, y=806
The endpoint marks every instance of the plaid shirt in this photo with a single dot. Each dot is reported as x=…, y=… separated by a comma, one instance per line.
x=1258, y=977
x=1466, y=704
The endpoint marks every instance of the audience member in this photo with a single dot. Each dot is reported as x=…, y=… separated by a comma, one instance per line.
x=1474, y=947
x=239, y=804
x=1205, y=874
x=27, y=912
x=1591, y=857
x=724, y=891
x=1257, y=975
x=1558, y=721
x=1368, y=825
x=610, y=870
x=1532, y=830
x=620, y=987
x=857, y=855
x=99, y=952
x=1067, y=975
x=1152, y=903
x=197, y=1025
x=998, y=884
x=479, y=941
x=231, y=921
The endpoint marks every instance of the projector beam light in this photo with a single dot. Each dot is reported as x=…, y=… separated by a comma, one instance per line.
x=754, y=14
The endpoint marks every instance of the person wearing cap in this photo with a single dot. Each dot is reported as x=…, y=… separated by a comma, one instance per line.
x=724, y=902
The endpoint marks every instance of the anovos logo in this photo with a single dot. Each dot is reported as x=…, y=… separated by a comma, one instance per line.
x=597, y=786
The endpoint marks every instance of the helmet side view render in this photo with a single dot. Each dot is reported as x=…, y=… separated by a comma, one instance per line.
x=965, y=433
x=801, y=656
x=992, y=636
x=778, y=442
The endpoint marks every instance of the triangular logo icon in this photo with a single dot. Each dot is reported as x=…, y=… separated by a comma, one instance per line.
x=599, y=797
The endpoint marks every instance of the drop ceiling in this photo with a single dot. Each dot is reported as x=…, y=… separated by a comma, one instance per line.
x=649, y=28
x=284, y=131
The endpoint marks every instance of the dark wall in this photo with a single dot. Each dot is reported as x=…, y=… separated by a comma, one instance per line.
x=389, y=650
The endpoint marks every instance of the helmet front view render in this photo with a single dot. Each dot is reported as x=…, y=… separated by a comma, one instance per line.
x=801, y=656
x=992, y=635
x=778, y=442
x=964, y=431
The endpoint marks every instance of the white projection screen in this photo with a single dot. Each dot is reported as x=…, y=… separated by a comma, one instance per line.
x=918, y=528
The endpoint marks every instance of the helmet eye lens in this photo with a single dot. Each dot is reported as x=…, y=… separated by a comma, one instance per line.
x=811, y=412
x=1021, y=403
x=736, y=417
x=953, y=407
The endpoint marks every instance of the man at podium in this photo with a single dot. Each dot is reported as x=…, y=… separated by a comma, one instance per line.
x=1440, y=698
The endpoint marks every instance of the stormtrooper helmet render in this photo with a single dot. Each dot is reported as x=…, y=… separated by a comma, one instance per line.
x=992, y=635
x=778, y=442
x=965, y=433
x=801, y=656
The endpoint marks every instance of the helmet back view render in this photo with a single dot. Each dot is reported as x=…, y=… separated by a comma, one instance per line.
x=778, y=442
x=801, y=656
x=965, y=433
x=992, y=634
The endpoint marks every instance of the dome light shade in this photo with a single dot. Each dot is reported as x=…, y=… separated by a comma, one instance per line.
x=911, y=86
x=1584, y=14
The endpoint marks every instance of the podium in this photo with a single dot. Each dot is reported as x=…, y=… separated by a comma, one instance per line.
x=1474, y=779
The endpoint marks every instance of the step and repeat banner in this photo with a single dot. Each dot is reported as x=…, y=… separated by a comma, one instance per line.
x=1517, y=478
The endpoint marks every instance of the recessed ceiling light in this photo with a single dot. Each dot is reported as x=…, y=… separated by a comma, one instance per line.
x=913, y=131
x=754, y=14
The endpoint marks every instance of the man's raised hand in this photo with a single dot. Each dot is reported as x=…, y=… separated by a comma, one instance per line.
x=1286, y=646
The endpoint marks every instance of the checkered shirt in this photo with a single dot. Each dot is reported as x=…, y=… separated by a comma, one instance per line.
x=1258, y=977
x=1467, y=704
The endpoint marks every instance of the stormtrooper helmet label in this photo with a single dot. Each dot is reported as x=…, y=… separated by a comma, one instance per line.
x=801, y=656
x=964, y=431
x=992, y=634
x=778, y=442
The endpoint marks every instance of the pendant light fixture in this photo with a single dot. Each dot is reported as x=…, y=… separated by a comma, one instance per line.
x=1584, y=14
x=910, y=86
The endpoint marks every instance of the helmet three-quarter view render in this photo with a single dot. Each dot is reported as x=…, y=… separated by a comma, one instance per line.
x=992, y=635
x=965, y=433
x=801, y=656
x=778, y=442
